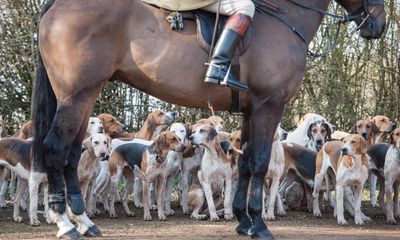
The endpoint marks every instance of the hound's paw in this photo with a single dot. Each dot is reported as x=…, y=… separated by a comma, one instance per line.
x=18, y=219
x=199, y=217
x=169, y=212
x=214, y=217
x=228, y=217
x=365, y=218
x=162, y=217
x=269, y=217
x=90, y=214
x=153, y=207
x=185, y=212
x=35, y=222
x=113, y=215
x=147, y=218
x=96, y=211
x=317, y=213
x=391, y=221
x=48, y=220
x=359, y=221
x=130, y=214
x=3, y=204
x=281, y=212
x=342, y=222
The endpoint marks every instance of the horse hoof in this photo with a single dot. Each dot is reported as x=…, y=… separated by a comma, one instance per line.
x=244, y=228
x=262, y=234
x=93, y=231
x=72, y=234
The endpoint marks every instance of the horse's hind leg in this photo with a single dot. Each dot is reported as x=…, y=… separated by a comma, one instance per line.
x=264, y=121
x=63, y=147
x=240, y=200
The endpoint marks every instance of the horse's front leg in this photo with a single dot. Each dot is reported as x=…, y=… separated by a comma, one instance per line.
x=240, y=199
x=264, y=121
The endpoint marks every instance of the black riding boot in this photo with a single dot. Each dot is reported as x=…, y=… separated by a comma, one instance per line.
x=219, y=67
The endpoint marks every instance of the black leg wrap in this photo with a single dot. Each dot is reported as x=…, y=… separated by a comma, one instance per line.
x=93, y=231
x=75, y=201
x=72, y=234
x=57, y=202
x=244, y=227
x=260, y=231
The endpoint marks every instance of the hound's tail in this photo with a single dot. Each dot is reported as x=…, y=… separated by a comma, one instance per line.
x=138, y=172
x=44, y=104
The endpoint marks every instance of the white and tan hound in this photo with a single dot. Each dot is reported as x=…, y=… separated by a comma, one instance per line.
x=392, y=177
x=216, y=170
x=272, y=179
x=352, y=171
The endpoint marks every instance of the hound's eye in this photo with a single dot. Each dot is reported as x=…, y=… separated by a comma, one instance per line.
x=201, y=130
x=323, y=130
x=96, y=142
x=221, y=123
x=182, y=131
x=112, y=120
x=91, y=122
x=105, y=142
x=359, y=126
x=353, y=142
x=238, y=140
x=368, y=126
x=314, y=130
x=161, y=113
x=397, y=134
x=382, y=120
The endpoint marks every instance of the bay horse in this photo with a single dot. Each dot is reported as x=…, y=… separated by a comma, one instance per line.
x=85, y=43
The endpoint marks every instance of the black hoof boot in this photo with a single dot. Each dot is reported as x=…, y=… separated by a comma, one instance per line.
x=72, y=234
x=260, y=231
x=244, y=227
x=93, y=231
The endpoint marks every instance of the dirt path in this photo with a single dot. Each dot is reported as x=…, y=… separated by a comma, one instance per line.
x=297, y=225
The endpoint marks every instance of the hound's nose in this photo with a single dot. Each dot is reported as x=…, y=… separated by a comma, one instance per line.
x=364, y=135
x=191, y=138
x=319, y=141
x=102, y=154
x=344, y=151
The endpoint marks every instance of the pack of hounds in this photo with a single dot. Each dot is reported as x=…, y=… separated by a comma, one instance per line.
x=204, y=157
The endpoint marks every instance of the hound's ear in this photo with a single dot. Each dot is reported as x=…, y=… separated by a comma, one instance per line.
x=353, y=129
x=375, y=129
x=212, y=134
x=161, y=142
x=391, y=138
x=309, y=135
x=364, y=146
x=153, y=149
x=109, y=141
x=329, y=132
x=87, y=144
x=188, y=131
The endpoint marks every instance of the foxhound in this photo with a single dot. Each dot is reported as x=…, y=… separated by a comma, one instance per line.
x=97, y=147
x=272, y=179
x=152, y=159
x=384, y=125
x=216, y=170
x=392, y=177
x=192, y=159
x=352, y=170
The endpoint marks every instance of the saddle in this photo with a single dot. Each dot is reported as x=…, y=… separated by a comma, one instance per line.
x=190, y=10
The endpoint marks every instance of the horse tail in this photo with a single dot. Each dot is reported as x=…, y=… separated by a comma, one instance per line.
x=44, y=104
